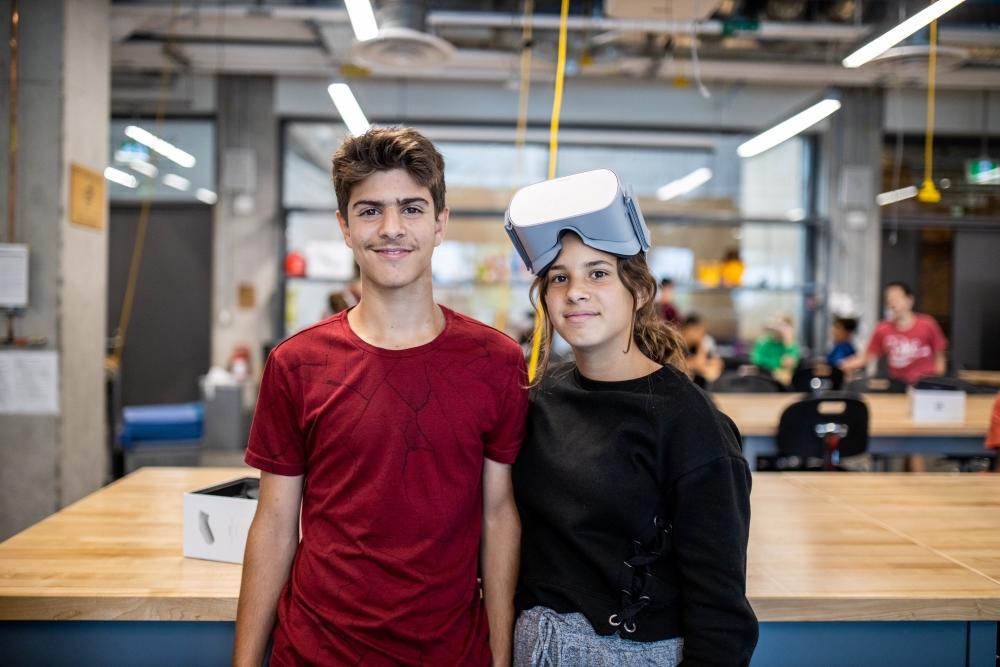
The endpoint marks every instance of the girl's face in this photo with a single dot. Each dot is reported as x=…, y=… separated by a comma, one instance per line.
x=587, y=302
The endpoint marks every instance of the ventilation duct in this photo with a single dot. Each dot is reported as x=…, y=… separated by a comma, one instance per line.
x=402, y=40
x=910, y=61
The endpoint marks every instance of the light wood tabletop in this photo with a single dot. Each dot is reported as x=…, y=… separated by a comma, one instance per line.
x=823, y=547
x=889, y=415
x=991, y=378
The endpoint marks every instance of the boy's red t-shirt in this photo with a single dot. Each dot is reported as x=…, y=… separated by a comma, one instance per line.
x=391, y=444
x=909, y=353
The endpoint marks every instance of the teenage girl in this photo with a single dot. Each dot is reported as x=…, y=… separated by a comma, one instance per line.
x=633, y=494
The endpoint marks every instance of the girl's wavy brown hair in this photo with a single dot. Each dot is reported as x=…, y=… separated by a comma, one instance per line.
x=656, y=339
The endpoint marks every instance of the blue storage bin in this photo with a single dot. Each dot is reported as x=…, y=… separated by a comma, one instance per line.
x=144, y=423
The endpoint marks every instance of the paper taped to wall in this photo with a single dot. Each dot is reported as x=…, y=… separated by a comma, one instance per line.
x=29, y=382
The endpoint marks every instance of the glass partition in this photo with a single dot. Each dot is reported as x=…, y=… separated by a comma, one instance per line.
x=169, y=160
x=735, y=244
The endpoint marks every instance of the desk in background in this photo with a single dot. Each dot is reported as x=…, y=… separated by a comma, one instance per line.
x=850, y=569
x=891, y=430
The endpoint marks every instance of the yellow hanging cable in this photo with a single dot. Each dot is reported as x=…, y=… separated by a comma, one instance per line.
x=128, y=300
x=536, y=339
x=928, y=192
x=520, y=135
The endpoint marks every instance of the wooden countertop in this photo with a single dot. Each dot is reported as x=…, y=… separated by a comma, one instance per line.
x=991, y=378
x=823, y=547
x=889, y=415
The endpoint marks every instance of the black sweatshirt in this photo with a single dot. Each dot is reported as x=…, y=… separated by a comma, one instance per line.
x=637, y=485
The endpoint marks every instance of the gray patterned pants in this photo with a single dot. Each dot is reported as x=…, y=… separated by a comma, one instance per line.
x=544, y=638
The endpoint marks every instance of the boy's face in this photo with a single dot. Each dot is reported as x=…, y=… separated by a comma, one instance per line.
x=839, y=333
x=392, y=229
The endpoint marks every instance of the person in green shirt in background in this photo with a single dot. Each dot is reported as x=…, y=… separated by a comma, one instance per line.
x=777, y=350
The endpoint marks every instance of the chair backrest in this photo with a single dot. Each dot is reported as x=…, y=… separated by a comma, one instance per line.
x=732, y=382
x=815, y=376
x=941, y=382
x=876, y=385
x=800, y=422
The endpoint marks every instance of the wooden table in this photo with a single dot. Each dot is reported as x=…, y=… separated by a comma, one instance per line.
x=991, y=378
x=891, y=430
x=830, y=554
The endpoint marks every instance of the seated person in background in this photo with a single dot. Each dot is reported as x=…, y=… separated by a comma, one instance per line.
x=665, y=304
x=777, y=350
x=912, y=343
x=703, y=364
x=841, y=332
x=993, y=435
x=336, y=302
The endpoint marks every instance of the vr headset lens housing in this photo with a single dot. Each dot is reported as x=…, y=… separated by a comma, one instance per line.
x=591, y=204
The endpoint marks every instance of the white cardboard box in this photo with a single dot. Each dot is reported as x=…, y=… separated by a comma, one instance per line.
x=937, y=405
x=217, y=519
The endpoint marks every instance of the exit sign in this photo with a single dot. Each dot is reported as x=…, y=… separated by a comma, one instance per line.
x=982, y=171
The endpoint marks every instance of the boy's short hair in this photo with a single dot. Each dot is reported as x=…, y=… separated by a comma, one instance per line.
x=383, y=149
x=849, y=324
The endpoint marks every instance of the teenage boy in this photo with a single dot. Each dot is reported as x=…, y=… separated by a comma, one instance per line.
x=912, y=343
x=392, y=426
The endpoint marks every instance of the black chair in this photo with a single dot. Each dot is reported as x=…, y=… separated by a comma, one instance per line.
x=876, y=385
x=817, y=432
x=748, y=379
x=816, y=375
x=944, y=383
x=735, y=362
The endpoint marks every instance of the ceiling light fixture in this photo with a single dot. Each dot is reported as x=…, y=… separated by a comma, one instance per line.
x=884, y=42
x=787, y=129
x=144, y=168
x=684, y=185
x=176, y=182
x=348, y=108
x=893, y=196
x=161, y=146
x=206, y=196
x=362, y=19
x=120, y=177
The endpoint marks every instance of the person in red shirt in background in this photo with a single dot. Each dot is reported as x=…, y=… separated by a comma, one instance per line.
x=387, y=432
x=665, y=302
x=912, y=343
x=993, y=435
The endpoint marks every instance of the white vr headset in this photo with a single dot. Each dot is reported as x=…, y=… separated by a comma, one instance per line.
x=594, y=205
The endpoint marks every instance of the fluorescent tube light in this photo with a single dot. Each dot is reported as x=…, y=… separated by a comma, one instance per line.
x=787, y=129
x=682, y=186
x=164, y=148
x=884, y=42
x=348, y=108
x=144, y=168
x=894, y=196
x=120, y=177
x=176, y=182
x=362, y=19
x=206, y=196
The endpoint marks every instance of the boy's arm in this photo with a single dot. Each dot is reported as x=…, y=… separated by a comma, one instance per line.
x=501, y=547
x=271, y=545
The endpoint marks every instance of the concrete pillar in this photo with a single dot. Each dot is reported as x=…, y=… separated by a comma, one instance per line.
x=49, y=461
x=849, y=257
x=248, y=226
